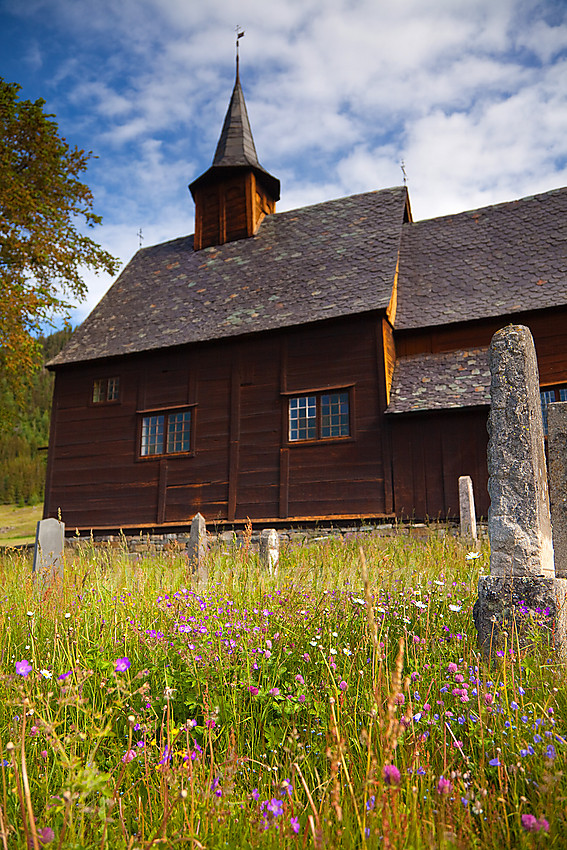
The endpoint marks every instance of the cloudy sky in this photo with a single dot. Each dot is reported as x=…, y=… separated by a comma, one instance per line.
x=470, y=94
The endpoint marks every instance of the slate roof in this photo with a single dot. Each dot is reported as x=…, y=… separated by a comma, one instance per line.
x=502, y=259
x=328, y=260
x=440, y=381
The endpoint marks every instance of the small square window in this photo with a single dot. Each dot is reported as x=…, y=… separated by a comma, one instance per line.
x=323, y=416
x=106, y=389
x=166, y=433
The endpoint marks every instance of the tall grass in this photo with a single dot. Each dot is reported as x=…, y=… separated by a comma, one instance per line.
x=342, y=703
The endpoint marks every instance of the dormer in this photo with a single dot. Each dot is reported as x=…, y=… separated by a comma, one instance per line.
x=235, y=194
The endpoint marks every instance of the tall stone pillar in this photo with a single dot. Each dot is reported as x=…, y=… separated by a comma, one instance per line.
x=522, y=581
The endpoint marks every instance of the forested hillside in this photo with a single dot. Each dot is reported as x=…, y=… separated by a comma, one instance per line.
x=25, y=432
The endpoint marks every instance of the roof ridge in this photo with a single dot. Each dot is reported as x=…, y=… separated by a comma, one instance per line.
x=500, y=205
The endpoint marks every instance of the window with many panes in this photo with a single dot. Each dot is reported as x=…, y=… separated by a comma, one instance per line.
x=106, y=389
x=548, y=396
x=319, y=416
x=166, y=433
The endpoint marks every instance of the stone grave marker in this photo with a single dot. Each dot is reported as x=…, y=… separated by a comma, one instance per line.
x=269, y=551
x=49, y=544
x=198, y=547
x=522, y=576
x=557, y=454
x=466, y=508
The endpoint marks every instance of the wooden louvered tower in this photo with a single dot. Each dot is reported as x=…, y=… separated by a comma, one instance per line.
x=235, y=193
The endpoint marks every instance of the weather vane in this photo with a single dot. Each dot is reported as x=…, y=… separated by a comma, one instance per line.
x=140, y=236
x=403, y=167
x=239, y=34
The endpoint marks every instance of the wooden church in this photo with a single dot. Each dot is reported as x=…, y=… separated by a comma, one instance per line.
x=319, y=364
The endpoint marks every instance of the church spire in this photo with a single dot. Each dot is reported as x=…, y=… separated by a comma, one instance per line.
x=235, y=193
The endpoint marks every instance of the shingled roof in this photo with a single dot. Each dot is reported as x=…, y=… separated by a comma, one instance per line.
x=440, y=381
x=328, y=260
x=488, y=262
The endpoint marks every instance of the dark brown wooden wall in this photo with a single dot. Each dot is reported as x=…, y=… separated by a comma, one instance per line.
x=547, y=327
x=430, y=452
x=242, y=464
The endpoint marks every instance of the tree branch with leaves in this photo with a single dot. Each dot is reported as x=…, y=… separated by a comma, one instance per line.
x=42, y=204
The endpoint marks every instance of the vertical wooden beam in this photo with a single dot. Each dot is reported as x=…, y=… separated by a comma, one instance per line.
x=385, y=438
x=48, y=509
x=284, y=451
x=222, y=213
x=284, y=483
x=234, y=438
x=250, y=190
x=162, y=492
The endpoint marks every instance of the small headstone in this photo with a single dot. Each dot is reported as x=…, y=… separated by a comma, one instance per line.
x=557, y=454
x=49, y=543
x=466, y=508
x=522, y=582
x=269, y=551
x=197, y=547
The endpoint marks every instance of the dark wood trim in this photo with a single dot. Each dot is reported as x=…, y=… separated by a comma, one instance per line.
x=328, y=388
x=284, y=483
x=162, y=491
x=168, y=408
x=234, y=442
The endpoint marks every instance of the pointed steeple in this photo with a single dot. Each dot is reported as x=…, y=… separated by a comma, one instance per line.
x=235, y=193
x=236, y=145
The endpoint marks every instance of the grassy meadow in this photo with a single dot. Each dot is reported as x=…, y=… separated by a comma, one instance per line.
x=334, y=705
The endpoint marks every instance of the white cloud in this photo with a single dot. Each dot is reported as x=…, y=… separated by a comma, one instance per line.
x=470, y=95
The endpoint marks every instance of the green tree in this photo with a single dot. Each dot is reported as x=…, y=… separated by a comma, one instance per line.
x=42, y=251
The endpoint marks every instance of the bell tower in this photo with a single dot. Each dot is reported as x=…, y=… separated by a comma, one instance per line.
x=235, y=193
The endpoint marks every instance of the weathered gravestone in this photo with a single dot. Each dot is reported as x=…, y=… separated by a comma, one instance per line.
x=521, y=596
x=198, y=547
x=557, y=454
x=49, y=544
x=269, y=551
x=466, y=507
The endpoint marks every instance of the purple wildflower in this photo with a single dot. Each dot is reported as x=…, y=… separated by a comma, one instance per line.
x=23, y=667
x=44, y=836
x=444, y=786
x=530, y=823
x=122, y=664
x=343, y=685
x=295, y=825
x=275, y=806
x=391, y=774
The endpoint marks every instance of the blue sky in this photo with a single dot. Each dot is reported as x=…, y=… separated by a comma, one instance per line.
x=470, y=94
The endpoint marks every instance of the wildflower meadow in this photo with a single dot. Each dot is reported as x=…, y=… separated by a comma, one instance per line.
x=340, y=703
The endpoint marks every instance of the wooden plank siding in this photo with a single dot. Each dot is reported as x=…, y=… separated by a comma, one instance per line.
x=430, y=452
x=242, y=464
x=547, y=327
